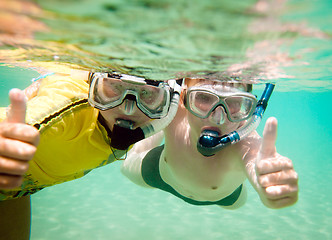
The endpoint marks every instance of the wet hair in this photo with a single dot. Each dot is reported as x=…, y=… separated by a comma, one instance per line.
x=247, y=86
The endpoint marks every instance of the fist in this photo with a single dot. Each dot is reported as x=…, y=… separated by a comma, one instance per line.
x=277, y=181
x=18, y=142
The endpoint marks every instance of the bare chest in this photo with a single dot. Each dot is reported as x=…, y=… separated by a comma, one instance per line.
x=202, y=178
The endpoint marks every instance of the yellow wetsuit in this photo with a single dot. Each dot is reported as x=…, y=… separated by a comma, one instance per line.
x=72, y=141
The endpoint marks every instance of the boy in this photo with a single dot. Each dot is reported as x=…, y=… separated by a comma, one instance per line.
x=73, y=126
x=179, y=168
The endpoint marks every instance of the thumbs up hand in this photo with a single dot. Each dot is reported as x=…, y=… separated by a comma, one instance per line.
x=276, y=179
x=18, y=142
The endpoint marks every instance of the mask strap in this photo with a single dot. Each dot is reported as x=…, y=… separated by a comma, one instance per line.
x=121, y=157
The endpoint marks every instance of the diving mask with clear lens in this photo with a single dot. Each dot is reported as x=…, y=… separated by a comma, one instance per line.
x=109, y=90
x=209, y=143
x=202, y=100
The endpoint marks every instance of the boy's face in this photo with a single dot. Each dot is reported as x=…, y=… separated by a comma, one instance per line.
x=206, y=113
x=128, y=101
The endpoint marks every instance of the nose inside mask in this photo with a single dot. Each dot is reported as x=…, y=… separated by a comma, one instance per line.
x=218, y=115
x=129, y=104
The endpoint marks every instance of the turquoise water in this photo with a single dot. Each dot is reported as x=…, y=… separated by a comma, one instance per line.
x=105, y=205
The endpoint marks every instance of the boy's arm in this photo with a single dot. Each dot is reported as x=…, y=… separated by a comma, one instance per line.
x=132, y=165
x=271, y=174
x=32, y=90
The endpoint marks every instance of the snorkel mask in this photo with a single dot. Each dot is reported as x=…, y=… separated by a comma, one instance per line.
x=238, y=107
x=156, y=99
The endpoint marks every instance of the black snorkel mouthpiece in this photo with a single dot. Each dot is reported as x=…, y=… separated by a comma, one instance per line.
x=123, y=135
x=210, y=142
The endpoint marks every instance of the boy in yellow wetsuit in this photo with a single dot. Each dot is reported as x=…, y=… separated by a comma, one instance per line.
x=210, y=175
x=70, y=126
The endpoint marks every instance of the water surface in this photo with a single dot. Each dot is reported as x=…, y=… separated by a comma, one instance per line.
x=292, y=48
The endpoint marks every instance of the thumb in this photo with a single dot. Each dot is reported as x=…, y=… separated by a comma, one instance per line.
x=17, y=108
x=268, y=148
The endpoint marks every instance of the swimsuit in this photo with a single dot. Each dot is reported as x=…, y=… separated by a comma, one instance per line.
x=72, y=140
x=151, y=175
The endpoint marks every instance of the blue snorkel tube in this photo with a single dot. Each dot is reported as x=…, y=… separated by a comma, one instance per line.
x=209, y=142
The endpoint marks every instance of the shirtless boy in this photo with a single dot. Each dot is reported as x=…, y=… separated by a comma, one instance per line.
x=179, y=168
